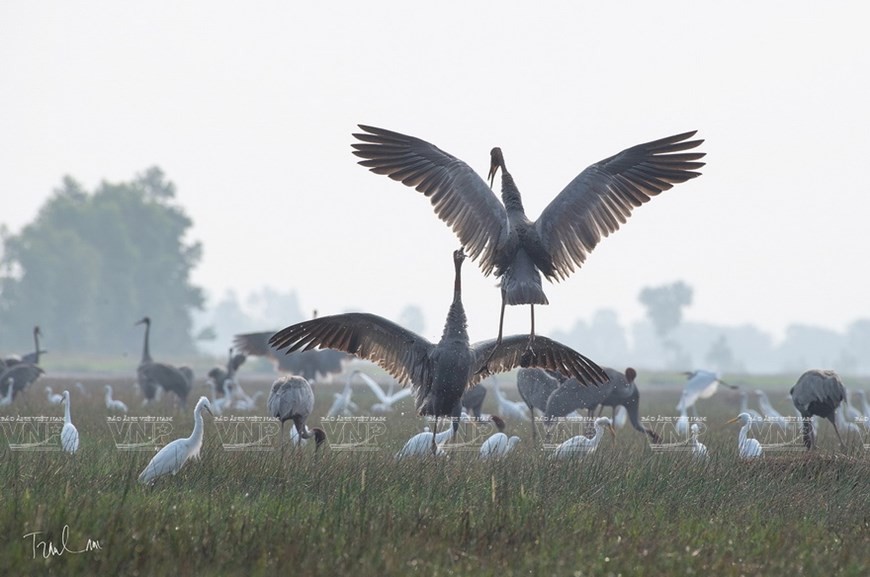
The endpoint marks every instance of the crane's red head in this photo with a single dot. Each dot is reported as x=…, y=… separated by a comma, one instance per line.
x=630, y=374
x=319, y=437
x=499, y=423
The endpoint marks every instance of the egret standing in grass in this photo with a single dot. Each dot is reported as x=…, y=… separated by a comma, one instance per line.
x=420, y=445
x=498, y=445
x=69, y=435
x=699, y=450
x=114, y=404
x=748, y=448
x=53, y=397
x=172, y=457
x=581, y=445
x=292, y=399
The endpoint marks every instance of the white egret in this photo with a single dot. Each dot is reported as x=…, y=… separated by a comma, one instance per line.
x=114, y=404
x=69, y=435
x=341, y=404
x=420, y=445
x=699, y=450
x=701, y=385
x=682, y=424
x=866, y=407
x=771, y=415
x=748, y=448
x=172, y=457
x=53, y=397
x=386, y=399
x=498, y=445
x=510, y=409
x=581, y=445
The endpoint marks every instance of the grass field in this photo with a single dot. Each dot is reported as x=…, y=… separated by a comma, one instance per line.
x=624, y=510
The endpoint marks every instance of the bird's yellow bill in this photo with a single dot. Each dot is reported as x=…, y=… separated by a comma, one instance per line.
x=734, y=420
x=612, y=430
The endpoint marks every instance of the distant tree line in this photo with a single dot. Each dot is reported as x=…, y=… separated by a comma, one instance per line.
x=93, y=262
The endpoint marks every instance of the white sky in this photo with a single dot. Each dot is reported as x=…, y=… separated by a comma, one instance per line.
x=249, y=109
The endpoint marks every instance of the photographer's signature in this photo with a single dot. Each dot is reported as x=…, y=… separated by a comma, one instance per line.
x=49, y=549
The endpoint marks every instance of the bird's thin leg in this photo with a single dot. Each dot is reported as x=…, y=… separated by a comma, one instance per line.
x=485, y=365
x=532, y=411
x=614, y=412
x=836, y=430
x=435, y=432
x=532, y=333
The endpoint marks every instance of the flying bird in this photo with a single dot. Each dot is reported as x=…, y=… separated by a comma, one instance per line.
x=438, y=372
x=499, y=235
x=386, y=399
x=818, y=392
x=700, y=385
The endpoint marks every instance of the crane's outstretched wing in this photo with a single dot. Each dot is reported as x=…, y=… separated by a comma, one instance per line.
x=255, y=344
x=236, y=361
x=545, y=353
x=22, y=374
x=400, y=352
x=461, y=198
x=602, y=197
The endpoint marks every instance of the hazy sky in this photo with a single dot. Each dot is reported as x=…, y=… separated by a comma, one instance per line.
x=249, y=109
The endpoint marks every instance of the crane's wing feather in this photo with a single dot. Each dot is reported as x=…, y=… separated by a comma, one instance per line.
x=254, y=344
x=460, y=197
x=400, y=352
x=237, y=361
x=545, y=353
x=601, y=198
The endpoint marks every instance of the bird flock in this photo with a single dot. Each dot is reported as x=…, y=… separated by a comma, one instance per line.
x=447, y=378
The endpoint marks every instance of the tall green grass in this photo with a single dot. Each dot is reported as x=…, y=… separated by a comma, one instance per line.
x=622, y=511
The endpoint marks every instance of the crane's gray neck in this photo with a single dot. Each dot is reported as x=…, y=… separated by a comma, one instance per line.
x=146, y=352
x=510, y=194
x=456, y=325
x=36, y=345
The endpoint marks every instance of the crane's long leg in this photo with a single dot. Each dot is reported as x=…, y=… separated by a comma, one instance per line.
x=434, y=444
x=532, y=411
x=836, y=430
x=282, y=440
x=485, y=365
x=532, y=333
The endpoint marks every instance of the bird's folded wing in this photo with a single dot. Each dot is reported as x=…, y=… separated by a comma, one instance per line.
x=460, y=197
x=601, y=198
x=400, y=352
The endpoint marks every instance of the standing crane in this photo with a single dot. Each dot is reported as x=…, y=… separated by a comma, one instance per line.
x=151, y=374
x=535, y=387
x=29, y=358
x=818, y=392
x=292, y=399
x=500, y=235
x=439, y=372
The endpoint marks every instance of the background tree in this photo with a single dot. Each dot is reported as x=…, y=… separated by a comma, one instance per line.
x=91, y=264
x=664, y=307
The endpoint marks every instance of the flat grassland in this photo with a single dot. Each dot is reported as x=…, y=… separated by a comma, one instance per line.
x=624, y=510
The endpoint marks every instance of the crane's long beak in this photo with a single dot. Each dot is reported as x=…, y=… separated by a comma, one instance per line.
x=734, y=420
x=612, y=431
x=209, y=411
x=493, y=168
x=735, y=387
